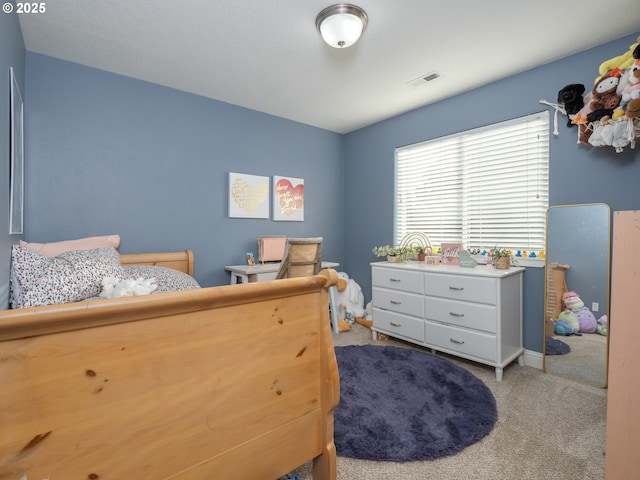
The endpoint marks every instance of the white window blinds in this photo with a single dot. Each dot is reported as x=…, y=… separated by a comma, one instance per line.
x=485, y=187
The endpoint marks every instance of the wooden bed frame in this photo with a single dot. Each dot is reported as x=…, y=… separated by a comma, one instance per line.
x=236, y=381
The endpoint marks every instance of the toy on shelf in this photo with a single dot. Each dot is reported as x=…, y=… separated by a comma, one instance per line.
x=608, y=115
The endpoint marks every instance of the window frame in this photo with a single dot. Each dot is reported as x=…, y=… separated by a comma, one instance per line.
x=535, y=153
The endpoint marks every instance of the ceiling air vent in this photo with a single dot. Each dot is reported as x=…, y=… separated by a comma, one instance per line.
x=426, y=78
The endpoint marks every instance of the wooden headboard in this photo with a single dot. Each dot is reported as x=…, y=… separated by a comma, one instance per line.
x=182, y=261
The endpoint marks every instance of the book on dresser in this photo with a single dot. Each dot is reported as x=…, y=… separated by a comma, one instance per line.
x=473, y=313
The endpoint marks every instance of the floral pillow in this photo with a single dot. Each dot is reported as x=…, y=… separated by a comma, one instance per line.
x=72, y=276
x=167, y=279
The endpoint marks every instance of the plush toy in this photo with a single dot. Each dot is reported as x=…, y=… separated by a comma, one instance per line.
x=605, y=93
x=114, y=287
x=633, y=109
x=576, y=314
x=632, y=90
x=571, y=99
x=602, y=327
x=561, y=327
x=622, y=62
x=350, y=303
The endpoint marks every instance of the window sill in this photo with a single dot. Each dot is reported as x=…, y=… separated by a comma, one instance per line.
x=521, y=261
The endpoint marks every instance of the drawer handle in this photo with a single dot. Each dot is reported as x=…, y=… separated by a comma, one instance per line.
x=457, y=289
x=395, y=302
x=394, y=280
x=393, y=324
x=459, y=342
x=454, y=314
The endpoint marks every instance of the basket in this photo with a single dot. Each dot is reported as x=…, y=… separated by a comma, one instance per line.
x=502, y=263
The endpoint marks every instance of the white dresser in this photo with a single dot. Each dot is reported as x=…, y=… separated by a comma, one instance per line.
x=475, y=313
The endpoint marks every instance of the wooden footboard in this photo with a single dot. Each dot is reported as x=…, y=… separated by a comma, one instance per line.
x=224, y=382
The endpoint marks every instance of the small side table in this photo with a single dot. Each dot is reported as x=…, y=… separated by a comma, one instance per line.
x=262, y=272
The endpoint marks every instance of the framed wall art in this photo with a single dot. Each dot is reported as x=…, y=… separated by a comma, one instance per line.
x=288, y=199
x=248, y=196
x=451, y=253
x=16, y=167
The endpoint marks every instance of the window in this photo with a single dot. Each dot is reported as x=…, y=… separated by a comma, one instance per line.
x=485, y=187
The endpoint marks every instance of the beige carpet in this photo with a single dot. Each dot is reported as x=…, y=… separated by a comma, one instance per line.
x=548, y=428
x=586, y=362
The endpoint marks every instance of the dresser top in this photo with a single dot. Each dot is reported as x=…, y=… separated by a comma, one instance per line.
x=479, y=270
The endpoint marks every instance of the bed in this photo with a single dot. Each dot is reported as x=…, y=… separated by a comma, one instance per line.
x=236, y=381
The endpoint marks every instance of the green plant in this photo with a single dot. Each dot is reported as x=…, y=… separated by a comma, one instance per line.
x=496, y=253
x=388, y=251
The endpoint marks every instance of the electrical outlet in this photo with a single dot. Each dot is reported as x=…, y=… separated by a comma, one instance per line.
x=595, y=306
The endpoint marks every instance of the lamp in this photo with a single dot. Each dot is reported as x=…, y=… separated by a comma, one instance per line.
x=341, y=25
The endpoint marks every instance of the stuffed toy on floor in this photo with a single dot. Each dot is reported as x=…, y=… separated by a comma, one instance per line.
x=576, y=314
x=350, y=302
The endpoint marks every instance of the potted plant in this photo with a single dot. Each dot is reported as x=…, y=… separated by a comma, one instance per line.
x=422, y=252
x=502, y=258
x=393, y=254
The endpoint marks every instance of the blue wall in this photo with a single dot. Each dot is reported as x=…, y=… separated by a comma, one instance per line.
x=11, y=55
x=578, y=173
x=110, y=154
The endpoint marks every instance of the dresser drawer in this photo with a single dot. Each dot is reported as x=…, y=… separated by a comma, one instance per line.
x=462, y=314
x=404, y=280
x=458, y=341
x=397, y=301
x=460, y=287
x=398, y=324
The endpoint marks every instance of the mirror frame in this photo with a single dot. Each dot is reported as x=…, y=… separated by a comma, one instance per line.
x=606, y=311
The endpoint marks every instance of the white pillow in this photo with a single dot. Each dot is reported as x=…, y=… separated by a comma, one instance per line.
x=73, y=276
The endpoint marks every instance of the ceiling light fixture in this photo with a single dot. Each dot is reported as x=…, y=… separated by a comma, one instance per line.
x=341, y=25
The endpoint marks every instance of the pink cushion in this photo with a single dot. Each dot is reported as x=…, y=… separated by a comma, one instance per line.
x=54, y=249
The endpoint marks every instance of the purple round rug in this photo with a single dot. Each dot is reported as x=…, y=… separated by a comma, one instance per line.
x=399, y=404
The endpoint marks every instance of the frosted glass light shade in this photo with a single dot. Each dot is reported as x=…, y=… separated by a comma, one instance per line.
x=341, y=25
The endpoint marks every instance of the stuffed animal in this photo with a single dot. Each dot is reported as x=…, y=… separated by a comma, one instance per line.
x=570, y=97
x=350, y=303
x=621, y=62
x=576, y=314
x=633, y=109
x=602, y=327
x=114, y=287
x=561, y=327
x=632, y=90
x=604, y=94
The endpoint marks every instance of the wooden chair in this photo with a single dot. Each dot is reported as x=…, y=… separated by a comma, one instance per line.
x=302, y=257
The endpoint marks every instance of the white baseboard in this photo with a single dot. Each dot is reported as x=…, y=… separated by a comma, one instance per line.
x=533, y=359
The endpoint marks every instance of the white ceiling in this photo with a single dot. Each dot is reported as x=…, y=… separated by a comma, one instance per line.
x=267, y=55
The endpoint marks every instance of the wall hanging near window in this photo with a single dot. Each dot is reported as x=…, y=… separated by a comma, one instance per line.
x=288, y=199
x=248, y=196
x=608, y=115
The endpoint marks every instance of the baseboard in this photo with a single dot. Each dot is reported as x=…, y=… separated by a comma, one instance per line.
x=533, y=359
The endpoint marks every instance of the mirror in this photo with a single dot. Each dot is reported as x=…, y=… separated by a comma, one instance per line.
x=577, y=260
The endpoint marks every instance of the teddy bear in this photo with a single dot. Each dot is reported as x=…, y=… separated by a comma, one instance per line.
x=570, y=96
